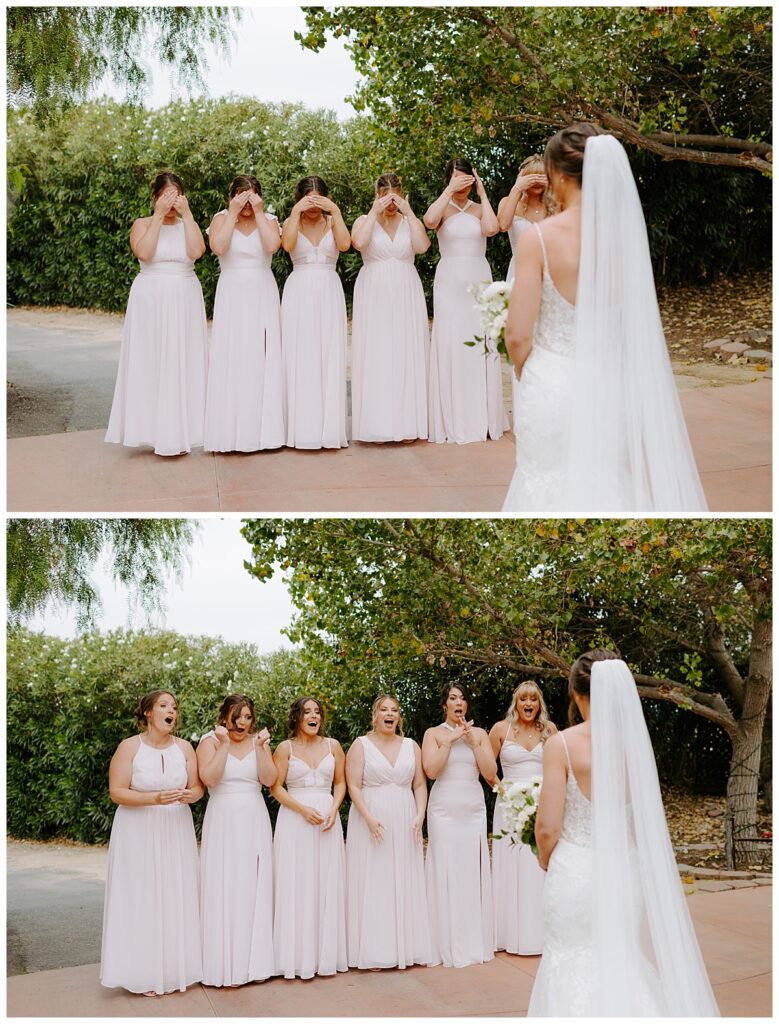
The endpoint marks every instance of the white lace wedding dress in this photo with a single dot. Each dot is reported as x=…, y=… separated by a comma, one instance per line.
x=567, y=983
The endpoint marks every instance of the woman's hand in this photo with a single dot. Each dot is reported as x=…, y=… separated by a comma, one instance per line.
x=181, y=205
x=239, y=200
x=417, y=826
x=470, y=736
x=526, y=181
x=222, y=735
x=479, y=185
x=188, y=796
x=169, y=796
x=166, y=201
x=324, y=203
x=459, y=182
x=454, y=733
x=402, y=203
x=262, y=739
x=312, y=816
x=256, y=201
x=330, y=819
x=303, y=205
x=375, y=828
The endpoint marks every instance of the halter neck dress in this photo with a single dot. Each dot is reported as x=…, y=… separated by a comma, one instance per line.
x=466, y=385
x=160, y=393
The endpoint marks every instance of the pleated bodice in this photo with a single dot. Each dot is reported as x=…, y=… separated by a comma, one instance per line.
x=381, y=247
x=379, y=772
x=170, y=256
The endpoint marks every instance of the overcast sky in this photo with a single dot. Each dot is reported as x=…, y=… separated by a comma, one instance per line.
x=266, y=62
x=215, y=597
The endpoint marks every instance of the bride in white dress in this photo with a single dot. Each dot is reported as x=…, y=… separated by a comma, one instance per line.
x=599, y=427
x=618, y=939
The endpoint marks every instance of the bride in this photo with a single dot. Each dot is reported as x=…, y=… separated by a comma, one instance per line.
x=599, y=428
x=618, y=939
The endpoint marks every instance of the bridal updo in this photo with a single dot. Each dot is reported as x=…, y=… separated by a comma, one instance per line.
x=579, y=679
x=565, y=151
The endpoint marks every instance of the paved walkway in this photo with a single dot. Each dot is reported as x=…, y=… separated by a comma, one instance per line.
x=733, y=928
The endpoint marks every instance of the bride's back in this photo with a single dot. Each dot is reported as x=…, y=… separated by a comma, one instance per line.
x=579, y=742
x=562, y=237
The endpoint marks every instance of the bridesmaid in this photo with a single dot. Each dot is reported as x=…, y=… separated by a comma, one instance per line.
x=243, y=400
x=309, y=927
x=236, y=853
x=517, y=880
x=390, y=334
x=466, y=390
x=160, y=393
x=457, y=870
x=151, y=921
x=313, y=320
x=385, y=873
x=528, y=202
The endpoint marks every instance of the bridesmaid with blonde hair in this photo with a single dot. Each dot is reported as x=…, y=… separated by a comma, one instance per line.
x=313, y=320
x=244, y=400
x=387, y=922
x=390, y=335
x=529, y=202
x=518, y=882
x=236, y=854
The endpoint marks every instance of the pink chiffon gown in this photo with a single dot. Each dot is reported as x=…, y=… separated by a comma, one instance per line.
x=517, y=880
x=385, y=882
x=390, y=341
x=244, y=396
x=457, y=868
x=518, y=226
x=160, y=393
x=236, y=878
x=313, y=347
x=151, y=915
x=309, y=918
x=466, y=386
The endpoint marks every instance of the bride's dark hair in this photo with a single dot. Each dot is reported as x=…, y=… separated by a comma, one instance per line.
x=579, y=679
x=565, y=151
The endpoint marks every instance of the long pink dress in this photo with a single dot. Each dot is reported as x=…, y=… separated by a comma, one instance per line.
x=160, y=392
x=390, y=341
x=466, y=388
x=151, y=916
x=313, y=347
x=387, y=922
x=517, y=880
x=457, y=868
x=518, y=226
x=236, y=878
x=309, y=918
x=244, y=397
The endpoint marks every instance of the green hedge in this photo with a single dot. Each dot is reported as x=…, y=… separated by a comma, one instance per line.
x=79, y=181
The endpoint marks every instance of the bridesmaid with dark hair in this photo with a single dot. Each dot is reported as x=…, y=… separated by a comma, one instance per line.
x=313, y=320
x=236, y=854
x=466, y=391
x=457, y=868
x=244, y=401
x=151, y=919
x=390, y=335
x=309, y=920
x=160, y=393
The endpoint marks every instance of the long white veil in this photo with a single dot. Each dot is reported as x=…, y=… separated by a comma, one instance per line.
x=628, y=449
x=640, y=908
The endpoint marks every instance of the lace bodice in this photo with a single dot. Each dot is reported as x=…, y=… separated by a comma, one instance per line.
x=577, y=814
x=379, y=772
x=460, y=236
x=154, y=769
x=306, y=254
x=170, y=256
x=246, y=251
x=302, y=776
x=381, y=247
x=239, y=776
x=554, y=329
x=519, y=764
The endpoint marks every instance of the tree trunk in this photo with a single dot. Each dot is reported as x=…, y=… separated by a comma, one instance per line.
x=767, y=762
x=747, y=744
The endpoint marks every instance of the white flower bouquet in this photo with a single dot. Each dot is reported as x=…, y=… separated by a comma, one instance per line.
x=492, y=302
x=519, y=803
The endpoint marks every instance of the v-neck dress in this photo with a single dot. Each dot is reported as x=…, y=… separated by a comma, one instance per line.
x=390, y=341
x=313, y=347
x=236, y=878
x=387, y=923
x=517, y=880
x=309, y=917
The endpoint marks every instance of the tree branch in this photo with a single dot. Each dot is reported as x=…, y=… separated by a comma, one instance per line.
x=715, y=141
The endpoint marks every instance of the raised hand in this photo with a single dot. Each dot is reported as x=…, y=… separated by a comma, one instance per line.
x=454, y=733
x=239, y=200
x=324, y=203
x=222, y=735
x=262, y=739
x=166, y=201
x=459, y=182
x=479, y=184
x=181, y=204
x=256, y=201
x=469, y=735
x=526, y=181
x=303, y=205
x=402, y=203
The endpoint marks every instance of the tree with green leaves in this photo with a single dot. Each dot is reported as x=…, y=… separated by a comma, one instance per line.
x=55, y=55
x=685, y=83
x=686, y=602
x=52, y=560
